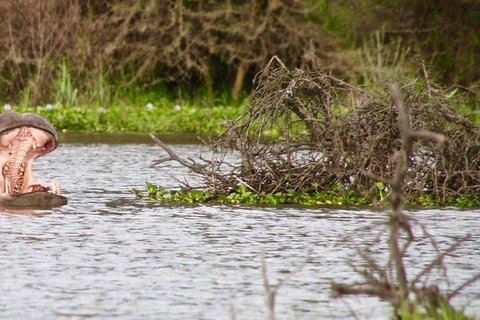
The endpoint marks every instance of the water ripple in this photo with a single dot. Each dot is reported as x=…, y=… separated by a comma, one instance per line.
x=109, y=255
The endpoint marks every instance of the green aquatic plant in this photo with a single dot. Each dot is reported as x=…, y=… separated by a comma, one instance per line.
x=243, y=195
x=440, y=311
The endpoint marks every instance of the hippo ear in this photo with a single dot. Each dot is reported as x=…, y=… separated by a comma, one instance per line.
x=12, y=120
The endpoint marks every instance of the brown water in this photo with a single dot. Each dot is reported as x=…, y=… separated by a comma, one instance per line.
x=108, y=255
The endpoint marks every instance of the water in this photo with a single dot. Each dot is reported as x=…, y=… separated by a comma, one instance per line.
x=108, y=255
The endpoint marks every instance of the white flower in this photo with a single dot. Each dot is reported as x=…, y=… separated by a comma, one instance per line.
x=7, y=107
x=192, y=111
x=49, y=107
x=102, y=110
x=177, y=107
x=149, y=106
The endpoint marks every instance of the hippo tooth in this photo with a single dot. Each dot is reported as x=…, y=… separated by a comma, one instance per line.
x=29, y=190
x=34, y=146
x=6, y=167
x=55, y=187
x=7, y=186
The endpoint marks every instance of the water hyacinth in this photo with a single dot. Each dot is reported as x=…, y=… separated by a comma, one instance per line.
x=102, y=110
x=7, y=107
x=149, y=106
x=177, y=107
x=49, y=106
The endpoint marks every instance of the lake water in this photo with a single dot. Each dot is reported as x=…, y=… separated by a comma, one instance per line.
x=108, y=255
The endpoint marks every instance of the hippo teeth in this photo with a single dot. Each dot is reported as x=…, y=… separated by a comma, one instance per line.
x=55, y=187
x=7, y=186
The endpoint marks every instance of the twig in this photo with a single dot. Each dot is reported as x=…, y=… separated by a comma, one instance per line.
x=271, y=292
x=174, y=157
x=246, y=184
x=464, y=285
x=397, y=192
x=438, y=260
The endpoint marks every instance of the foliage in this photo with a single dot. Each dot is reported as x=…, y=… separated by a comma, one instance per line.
x=140, y=44
x=97, y=48
x=147, y=113
x=443, y=33
x=444, y=311
x=243, y=195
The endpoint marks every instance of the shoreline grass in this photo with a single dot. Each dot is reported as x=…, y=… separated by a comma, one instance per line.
x=144, y=115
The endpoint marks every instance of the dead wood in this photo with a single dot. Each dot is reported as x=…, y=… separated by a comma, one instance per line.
x=309, y=131
x=331, y=133
x=391, y=281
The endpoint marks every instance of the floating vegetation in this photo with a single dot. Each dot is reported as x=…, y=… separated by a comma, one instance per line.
x=242, y=195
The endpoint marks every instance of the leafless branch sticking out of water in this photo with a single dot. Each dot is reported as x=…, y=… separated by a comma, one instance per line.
x=391, y=281
x=270, y=290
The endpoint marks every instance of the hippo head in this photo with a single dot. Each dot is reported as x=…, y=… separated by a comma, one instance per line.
x=23, y=138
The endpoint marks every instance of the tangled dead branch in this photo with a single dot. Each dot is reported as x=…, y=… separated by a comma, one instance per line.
x=307, y=131
x=389, y=280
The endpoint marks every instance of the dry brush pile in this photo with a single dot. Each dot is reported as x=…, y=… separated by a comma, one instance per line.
x=331, y=135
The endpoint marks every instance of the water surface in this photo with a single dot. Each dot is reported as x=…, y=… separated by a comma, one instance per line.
x=108, y=255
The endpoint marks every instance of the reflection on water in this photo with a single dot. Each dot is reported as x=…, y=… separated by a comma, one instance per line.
x=109, y=255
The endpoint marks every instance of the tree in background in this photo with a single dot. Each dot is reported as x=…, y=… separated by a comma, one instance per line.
x=444, y=33
x=223, y=44
x=146, y=42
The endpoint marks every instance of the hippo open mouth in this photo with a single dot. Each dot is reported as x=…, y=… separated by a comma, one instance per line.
x=23, y=138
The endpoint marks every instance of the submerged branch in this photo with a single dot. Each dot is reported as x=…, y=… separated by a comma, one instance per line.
x=212, y=176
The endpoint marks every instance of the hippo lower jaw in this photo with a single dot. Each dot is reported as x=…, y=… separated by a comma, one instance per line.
x=33, y=199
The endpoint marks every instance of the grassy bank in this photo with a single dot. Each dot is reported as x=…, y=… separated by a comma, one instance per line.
x=148, y=113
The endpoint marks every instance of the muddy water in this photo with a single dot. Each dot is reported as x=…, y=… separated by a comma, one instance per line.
x=107, y=255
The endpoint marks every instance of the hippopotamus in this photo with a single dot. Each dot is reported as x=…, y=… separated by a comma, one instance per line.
x=23, y=138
